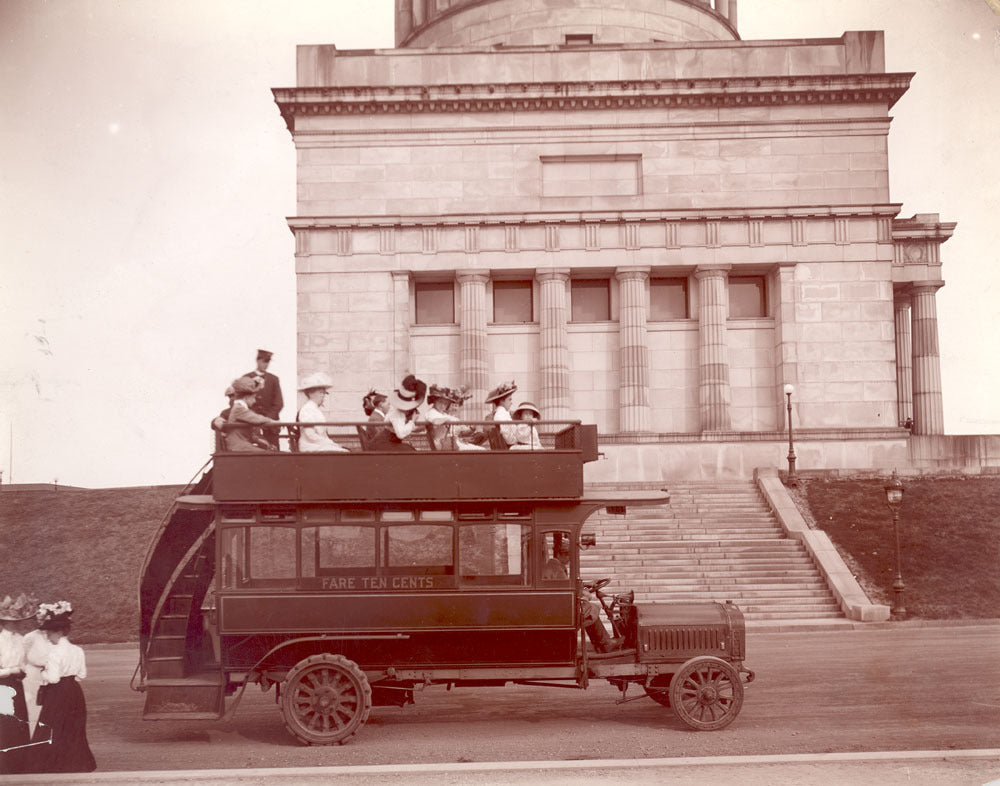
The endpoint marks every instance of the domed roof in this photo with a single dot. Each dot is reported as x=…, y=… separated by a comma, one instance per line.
x=480, y=23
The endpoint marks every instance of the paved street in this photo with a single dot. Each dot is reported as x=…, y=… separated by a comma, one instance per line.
x=903, y=688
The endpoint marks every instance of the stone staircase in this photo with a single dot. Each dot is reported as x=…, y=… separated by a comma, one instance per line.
x=714, y=541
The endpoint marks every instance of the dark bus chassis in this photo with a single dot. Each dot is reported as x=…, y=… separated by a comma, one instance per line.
x=349, y=580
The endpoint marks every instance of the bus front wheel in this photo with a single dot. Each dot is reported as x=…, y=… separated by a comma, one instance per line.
x=325, y=699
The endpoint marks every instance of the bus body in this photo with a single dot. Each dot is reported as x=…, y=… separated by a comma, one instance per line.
x=348, y=580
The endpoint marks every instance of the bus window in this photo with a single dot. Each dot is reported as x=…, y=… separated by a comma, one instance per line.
x=272, y=556
x=494, y=554
x=556, y=557
x=234, y=569
x=329, y=551
x=418, y=548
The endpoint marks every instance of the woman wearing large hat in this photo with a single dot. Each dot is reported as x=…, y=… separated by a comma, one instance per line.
x=444, y=434
x=244, y=424
x=501, y=398
x=63, y=719
x=525, y=414
x=315, y=387
x=402, y=415
x=14, y=729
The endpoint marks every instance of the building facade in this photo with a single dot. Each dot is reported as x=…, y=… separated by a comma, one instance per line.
x=649, y=223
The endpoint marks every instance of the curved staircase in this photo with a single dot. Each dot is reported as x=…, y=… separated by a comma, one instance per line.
x=713, y=542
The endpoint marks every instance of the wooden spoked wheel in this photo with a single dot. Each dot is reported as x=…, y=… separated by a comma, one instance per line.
x=706, y=693
x=325, y=699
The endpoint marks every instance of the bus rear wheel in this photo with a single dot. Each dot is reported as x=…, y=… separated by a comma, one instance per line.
x=325, y=699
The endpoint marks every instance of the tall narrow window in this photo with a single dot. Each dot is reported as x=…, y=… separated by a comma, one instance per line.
x=512, y=302
x=668, y=299
x=435, y=302
x=591, y=300
x=747, y=297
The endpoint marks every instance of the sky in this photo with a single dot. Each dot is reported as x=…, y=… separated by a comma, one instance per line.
x=146, y=177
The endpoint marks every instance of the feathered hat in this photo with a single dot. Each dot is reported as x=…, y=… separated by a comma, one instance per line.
x=20, y=608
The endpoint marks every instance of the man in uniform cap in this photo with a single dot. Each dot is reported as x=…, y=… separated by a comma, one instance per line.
x=269, y=401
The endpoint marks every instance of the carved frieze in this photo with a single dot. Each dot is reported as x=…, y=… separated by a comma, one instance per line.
x=613, y=95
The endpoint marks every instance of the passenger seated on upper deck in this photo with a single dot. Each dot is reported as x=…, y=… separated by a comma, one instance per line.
x=501, y=397
x=315, y=438
x=244, y=436
x=444, y=435
x=375, y=405
x=221, y=419
x=527, y=435
x=402, y=415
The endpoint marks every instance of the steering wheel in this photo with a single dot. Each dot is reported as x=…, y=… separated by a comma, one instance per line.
x=597, y=585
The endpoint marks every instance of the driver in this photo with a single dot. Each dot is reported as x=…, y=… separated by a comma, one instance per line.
x=590, y=610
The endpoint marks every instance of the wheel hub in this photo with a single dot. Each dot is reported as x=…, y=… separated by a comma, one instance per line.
x=708, y=694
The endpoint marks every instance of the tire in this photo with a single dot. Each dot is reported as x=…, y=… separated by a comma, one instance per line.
x=706, y=693
x=659, y=689
x=325, y=699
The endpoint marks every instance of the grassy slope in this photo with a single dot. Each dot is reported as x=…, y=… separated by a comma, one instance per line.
x=949, y=541
x=87, y=546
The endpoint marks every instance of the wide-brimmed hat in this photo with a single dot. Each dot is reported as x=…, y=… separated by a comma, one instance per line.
x=16, y=609
x=502, y=390
x=453, y=395
x=315, y=380
x=527, y=405
x=244, y=386
x=54, y=615
x=409, y=395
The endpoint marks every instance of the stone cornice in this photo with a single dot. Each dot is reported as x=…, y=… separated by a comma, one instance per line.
x=881, y=211
x=608, y=95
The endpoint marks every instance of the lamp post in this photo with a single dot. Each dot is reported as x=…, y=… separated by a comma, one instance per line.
x=789, y=389
x=894, y=499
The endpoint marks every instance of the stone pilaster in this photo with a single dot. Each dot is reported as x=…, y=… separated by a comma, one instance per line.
x=633, y=352
x=785, y=340
x=401, y=360
x=474, y=360
x=553, y=348
x=928, y=404
x=904, y=357
x=714, y=394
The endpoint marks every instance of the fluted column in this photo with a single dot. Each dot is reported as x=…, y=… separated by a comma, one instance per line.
x=928, y=405
x=553, y=349
x=633, y=351
x=474, y=363
x=714, y=395
x=904, y=357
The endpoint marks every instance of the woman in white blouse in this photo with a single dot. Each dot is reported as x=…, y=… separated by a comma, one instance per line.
x=64, y=710
x=14, y=732
x=315, y=387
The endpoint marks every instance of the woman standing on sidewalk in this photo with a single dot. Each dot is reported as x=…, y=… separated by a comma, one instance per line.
x=14, y=730
x=64, y=709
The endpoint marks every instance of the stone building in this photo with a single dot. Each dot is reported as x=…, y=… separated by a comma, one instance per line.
x=649, y=223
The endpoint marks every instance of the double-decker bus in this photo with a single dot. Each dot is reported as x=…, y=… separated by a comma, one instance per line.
x=351, y=580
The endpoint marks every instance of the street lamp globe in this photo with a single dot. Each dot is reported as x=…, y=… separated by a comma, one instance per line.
x=789, y=389
x=894, y=492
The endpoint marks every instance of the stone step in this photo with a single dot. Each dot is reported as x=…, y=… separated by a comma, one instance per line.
x=729, y=548
x=694, y=534
x=805, y=573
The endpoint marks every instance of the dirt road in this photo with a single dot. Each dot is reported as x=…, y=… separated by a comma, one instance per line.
x=904, y=688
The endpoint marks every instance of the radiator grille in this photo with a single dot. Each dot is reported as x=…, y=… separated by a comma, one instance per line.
x=673, y=639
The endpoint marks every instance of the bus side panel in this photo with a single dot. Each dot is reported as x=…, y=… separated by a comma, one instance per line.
x=469, y=649
x=469, y=475
x=439, y=628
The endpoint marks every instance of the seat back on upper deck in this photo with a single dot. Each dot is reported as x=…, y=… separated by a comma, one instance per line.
x=497, y=442
x=363, y=437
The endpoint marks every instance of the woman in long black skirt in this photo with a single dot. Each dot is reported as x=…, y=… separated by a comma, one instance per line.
x=14, y=728
x=63, y=718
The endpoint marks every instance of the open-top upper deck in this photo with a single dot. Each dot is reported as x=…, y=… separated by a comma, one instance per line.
x=360, y=475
